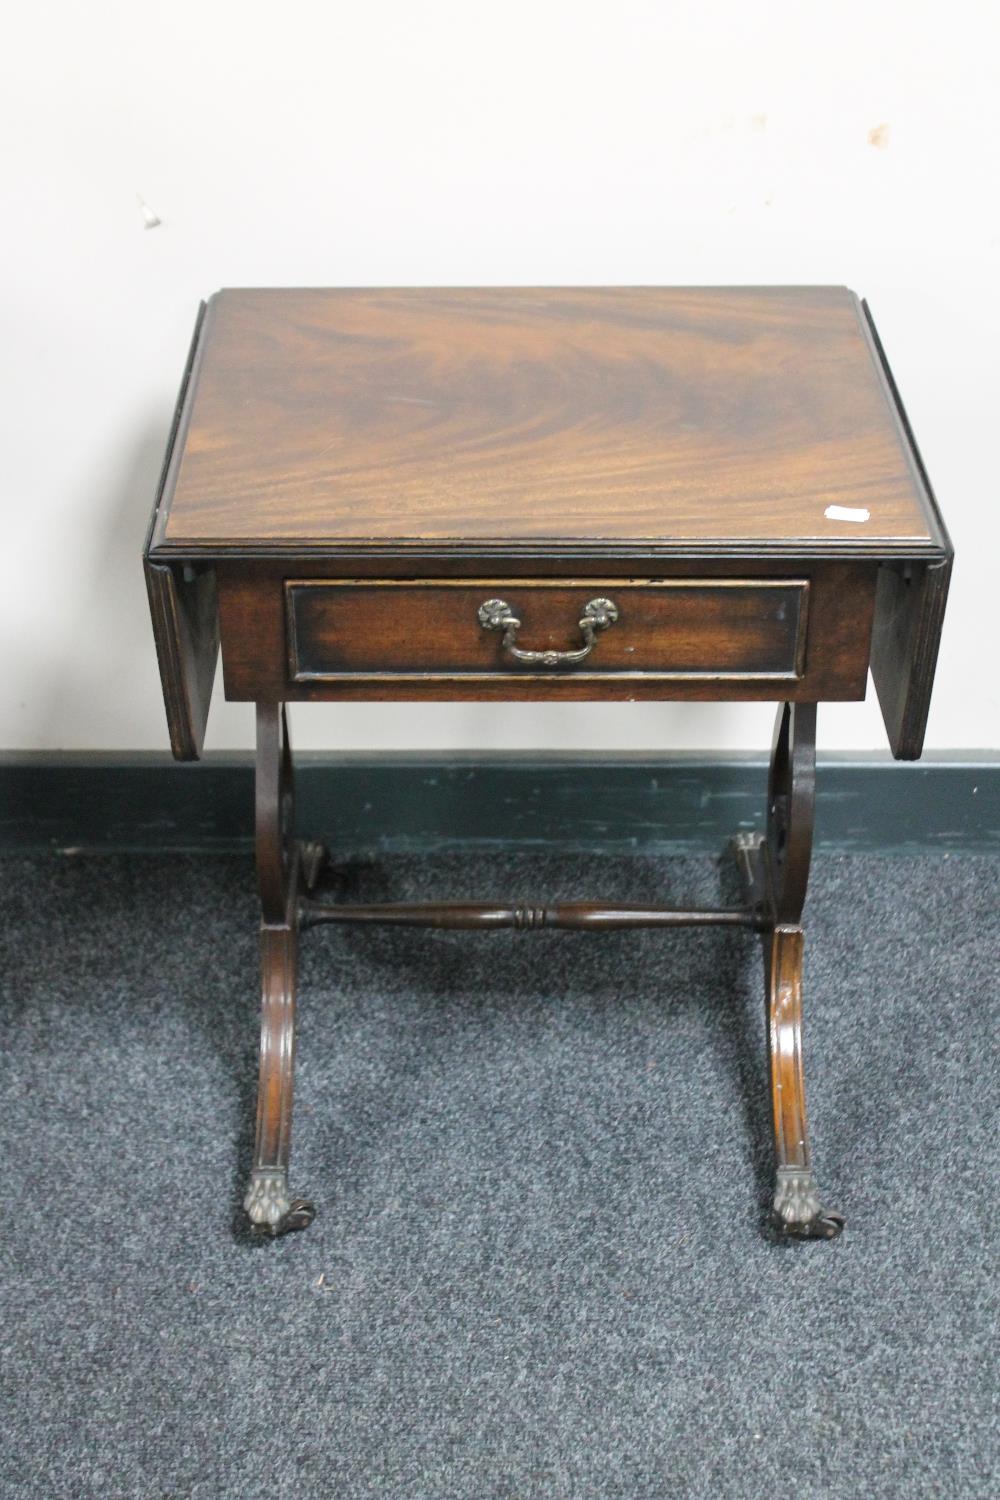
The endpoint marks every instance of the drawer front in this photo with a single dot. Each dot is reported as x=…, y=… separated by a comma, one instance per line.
x=473, y=629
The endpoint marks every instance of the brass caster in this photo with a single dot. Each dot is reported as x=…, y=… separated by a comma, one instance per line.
x=797, y=1214
x=269, y=1207
x=825, y=1226
x=301, y=1212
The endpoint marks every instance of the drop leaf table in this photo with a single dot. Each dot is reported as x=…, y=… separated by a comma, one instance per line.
x=528, y=494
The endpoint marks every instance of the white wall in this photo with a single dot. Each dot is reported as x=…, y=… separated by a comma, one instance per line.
x=413, y=141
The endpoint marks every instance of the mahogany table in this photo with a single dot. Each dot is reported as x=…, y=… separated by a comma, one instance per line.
x=605, y=494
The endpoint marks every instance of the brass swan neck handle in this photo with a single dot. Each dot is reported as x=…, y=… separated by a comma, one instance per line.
x=496, y=614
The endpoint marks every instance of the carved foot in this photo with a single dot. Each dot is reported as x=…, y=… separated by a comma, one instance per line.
x=797, y=1212
x=269, y=1207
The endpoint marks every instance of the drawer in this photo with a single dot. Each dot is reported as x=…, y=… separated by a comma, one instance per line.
x=474, y=629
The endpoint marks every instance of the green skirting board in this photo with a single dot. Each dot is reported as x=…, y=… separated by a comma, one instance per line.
x=431, y=802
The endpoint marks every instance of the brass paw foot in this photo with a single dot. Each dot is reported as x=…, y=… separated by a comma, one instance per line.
x=269, y=1207
x=797, y=1212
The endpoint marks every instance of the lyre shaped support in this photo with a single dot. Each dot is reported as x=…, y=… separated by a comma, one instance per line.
x=778, y=870
x=279, y=865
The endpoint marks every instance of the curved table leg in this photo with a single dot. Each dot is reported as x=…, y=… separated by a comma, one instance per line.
x=777, y=870
x=268, y=1203
x=797, y=1211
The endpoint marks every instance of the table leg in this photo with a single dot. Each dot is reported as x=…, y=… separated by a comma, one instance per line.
x=280, y=867
x=778, y=870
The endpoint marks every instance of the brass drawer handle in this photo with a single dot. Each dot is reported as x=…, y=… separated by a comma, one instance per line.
x=496, y=614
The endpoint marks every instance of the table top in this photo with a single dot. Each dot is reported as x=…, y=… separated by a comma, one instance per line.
x=670, y=419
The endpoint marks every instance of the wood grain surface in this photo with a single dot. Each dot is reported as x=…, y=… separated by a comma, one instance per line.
x=343, y=417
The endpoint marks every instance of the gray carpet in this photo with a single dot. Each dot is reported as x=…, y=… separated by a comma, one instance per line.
x=540, y=1163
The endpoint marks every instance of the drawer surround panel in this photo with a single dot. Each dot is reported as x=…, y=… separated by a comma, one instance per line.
x=396, y=630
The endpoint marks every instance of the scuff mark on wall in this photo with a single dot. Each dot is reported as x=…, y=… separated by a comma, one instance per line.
x=150, y=218
x=878, y=136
